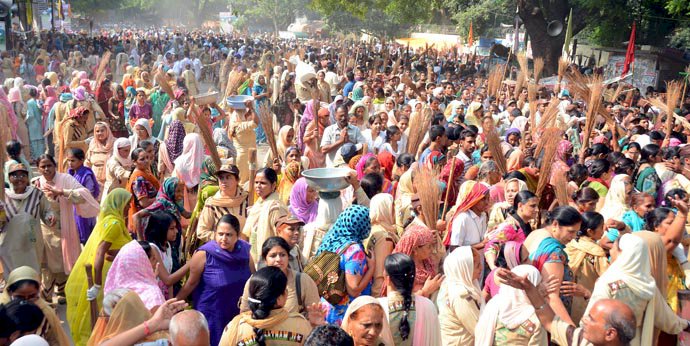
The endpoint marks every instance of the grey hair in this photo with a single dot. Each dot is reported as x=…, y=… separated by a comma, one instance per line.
x=486, y=168
x=112, y=298
x=624, y=326
x=188, y=324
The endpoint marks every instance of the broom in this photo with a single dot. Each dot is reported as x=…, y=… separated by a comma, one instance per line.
x=596, y=90
x=266, y=119
x=316, y=103
x=495, y=79
x=616, y=93
x=538, y=67
x=663, y=107
x=160, y=80
x=252, y=175
x=5, y=136
x=562, y=68
x=420, y=123
x=519, y=84
x=429, y=193
x=494, y=143
x=548, y=119
x=561, y=188
x=550, y=138
x=578, y=84
x=532, y=98
x=100, y=72
x=673, y=90
x=235, y=79
x=451, y=178
x=207, y=135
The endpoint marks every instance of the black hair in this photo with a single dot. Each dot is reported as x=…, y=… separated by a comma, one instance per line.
x=649, y=151
x=269, y=174
x=265, y=287
x=598, y=168
x=157, y=228
x=47, y=157
x=656, y=135
x=597, y=149
x=670, y=153
x=515, y=175
x=372, y=183
x=391, y=131
x=634, y=145
x=624, y=165
x=564, y=215
x=273, y=242
x=585, y=194
x=7, y=325
x=78, y=153
x=15, y=286
x=135, y=153
x=33, y=92
x=401, y=273
x=590, y=220
x=230, y=220
x=467, y=133
x=521, y=197
x=25, y=315
x=146, y=246
x=614, y=156
x=14, y=149
x=404, y=160
x=655, y=217
x=577, y=173
x=680, y=193
x=438, y=119
x=436, y=131
x=145, y=144
x=373, y=118
x=330, y=335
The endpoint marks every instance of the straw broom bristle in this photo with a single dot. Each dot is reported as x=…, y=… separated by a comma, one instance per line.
x=617, y=92
x=524, y=67
x=593, y=105
x=495, y=79
x=548, y=119
x=100, y=72
x=225, y=69
x=538, y=67
x=419, y=121
x=562, y=68
x=207, y=136
x=561, y=187
x=235, y=79
x=577, y=84
x=519, y=84
x=550, y=138
x=266, y=118
x=532, y=98
x=164, y=84
x=494, y=143
x=673, y=91
x=429, y=195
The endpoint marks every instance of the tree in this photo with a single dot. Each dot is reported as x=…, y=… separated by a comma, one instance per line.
x=279, y=13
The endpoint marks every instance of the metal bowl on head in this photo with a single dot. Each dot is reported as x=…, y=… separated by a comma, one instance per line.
x=237, y=101
x=327, y=179
x=206, y=98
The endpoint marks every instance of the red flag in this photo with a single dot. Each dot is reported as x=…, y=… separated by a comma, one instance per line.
x=470, y=37
x=630, y=53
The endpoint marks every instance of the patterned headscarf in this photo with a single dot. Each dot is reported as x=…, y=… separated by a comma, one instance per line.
x=466, y=200
x=174, y=142
x=352, y=226
x=457, y=167
x=564, y=146
x=416, y=236
x=434, y=159
x=165, y=200
x=78, y=112
x=354, y=161
x=361, y=165
x=208, y=173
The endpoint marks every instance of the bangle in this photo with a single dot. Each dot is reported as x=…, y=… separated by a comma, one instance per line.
x=541, y=307
x=147, y=331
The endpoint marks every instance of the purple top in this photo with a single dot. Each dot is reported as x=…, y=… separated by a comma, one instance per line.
x=221, y=285
x=140, y=112
x=85, y=176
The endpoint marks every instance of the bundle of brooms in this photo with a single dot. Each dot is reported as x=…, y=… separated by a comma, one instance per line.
x=494, y=143
x=235, y=79
x=548, y=119
x=595, y=92
x=100, y=72
x=419, y=123
x=550, y=140
x=538, y=67
x=160, y=80
x=532, y=98
x=561, y=187
x=495, y=80
x=266, y=119
x=668, y=106
x=207, y=136
x=429, y=195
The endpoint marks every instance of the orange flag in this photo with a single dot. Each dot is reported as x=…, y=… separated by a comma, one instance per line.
x=470, y=37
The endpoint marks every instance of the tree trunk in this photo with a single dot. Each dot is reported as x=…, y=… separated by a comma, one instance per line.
x=536, y=19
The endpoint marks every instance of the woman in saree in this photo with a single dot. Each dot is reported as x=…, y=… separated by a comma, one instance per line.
x=100, y=150
x=118, y=168
x=413, y=319
x=141, y=131
x=418, y=242
x=403, y=200
x=86, y=178
x=34, y=124
x=131, y=98
x=132, y=269
x=74, y=133
x=262, y=216
x=207, y=188
x=509, y=318
x=618, y=198
x=500, y=211
x=383, y=236
x=460, y=298
x=171, y=149
x=116, y=113
x=261, y=95
x=587, y=260
x=188, y=168
x=229, y=199
x=304, y=202
x=24, y=283
x=140, y=109
x=286, y=138
x=109, y=236
x=560, y=167
x=142, y=185
x=25, y=206
x=647, y=180
x=291, y=173
x=159, y=99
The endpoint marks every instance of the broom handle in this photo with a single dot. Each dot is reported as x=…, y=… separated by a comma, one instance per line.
x=450, y=181
x=252, y=175
x=92, y=304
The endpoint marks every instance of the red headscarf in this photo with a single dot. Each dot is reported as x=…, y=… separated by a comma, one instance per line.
x=387, y=162
x=415, y=236
x=478, y=192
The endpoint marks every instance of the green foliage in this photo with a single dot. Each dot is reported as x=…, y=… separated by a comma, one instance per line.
x=680, y=38
x=485, y=15
x=678, y=7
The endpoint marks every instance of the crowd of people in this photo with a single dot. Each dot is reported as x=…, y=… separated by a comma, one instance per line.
x=476, y=212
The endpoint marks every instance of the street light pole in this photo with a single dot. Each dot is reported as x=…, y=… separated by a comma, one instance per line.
x=52, y=15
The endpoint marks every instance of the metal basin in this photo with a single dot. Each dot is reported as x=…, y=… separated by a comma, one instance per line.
x=327, y=179
x=206, y=98
x=237, y=101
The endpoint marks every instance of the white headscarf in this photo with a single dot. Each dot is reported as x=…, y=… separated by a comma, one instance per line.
x=615, y=199
x=510, y=306
x=381, y=211
x=459, y=267
x=188, y=164
x=120, y=143
x=385, y=337
x=134, y=138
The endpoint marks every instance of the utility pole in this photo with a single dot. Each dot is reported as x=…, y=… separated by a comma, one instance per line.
x=52, y=15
